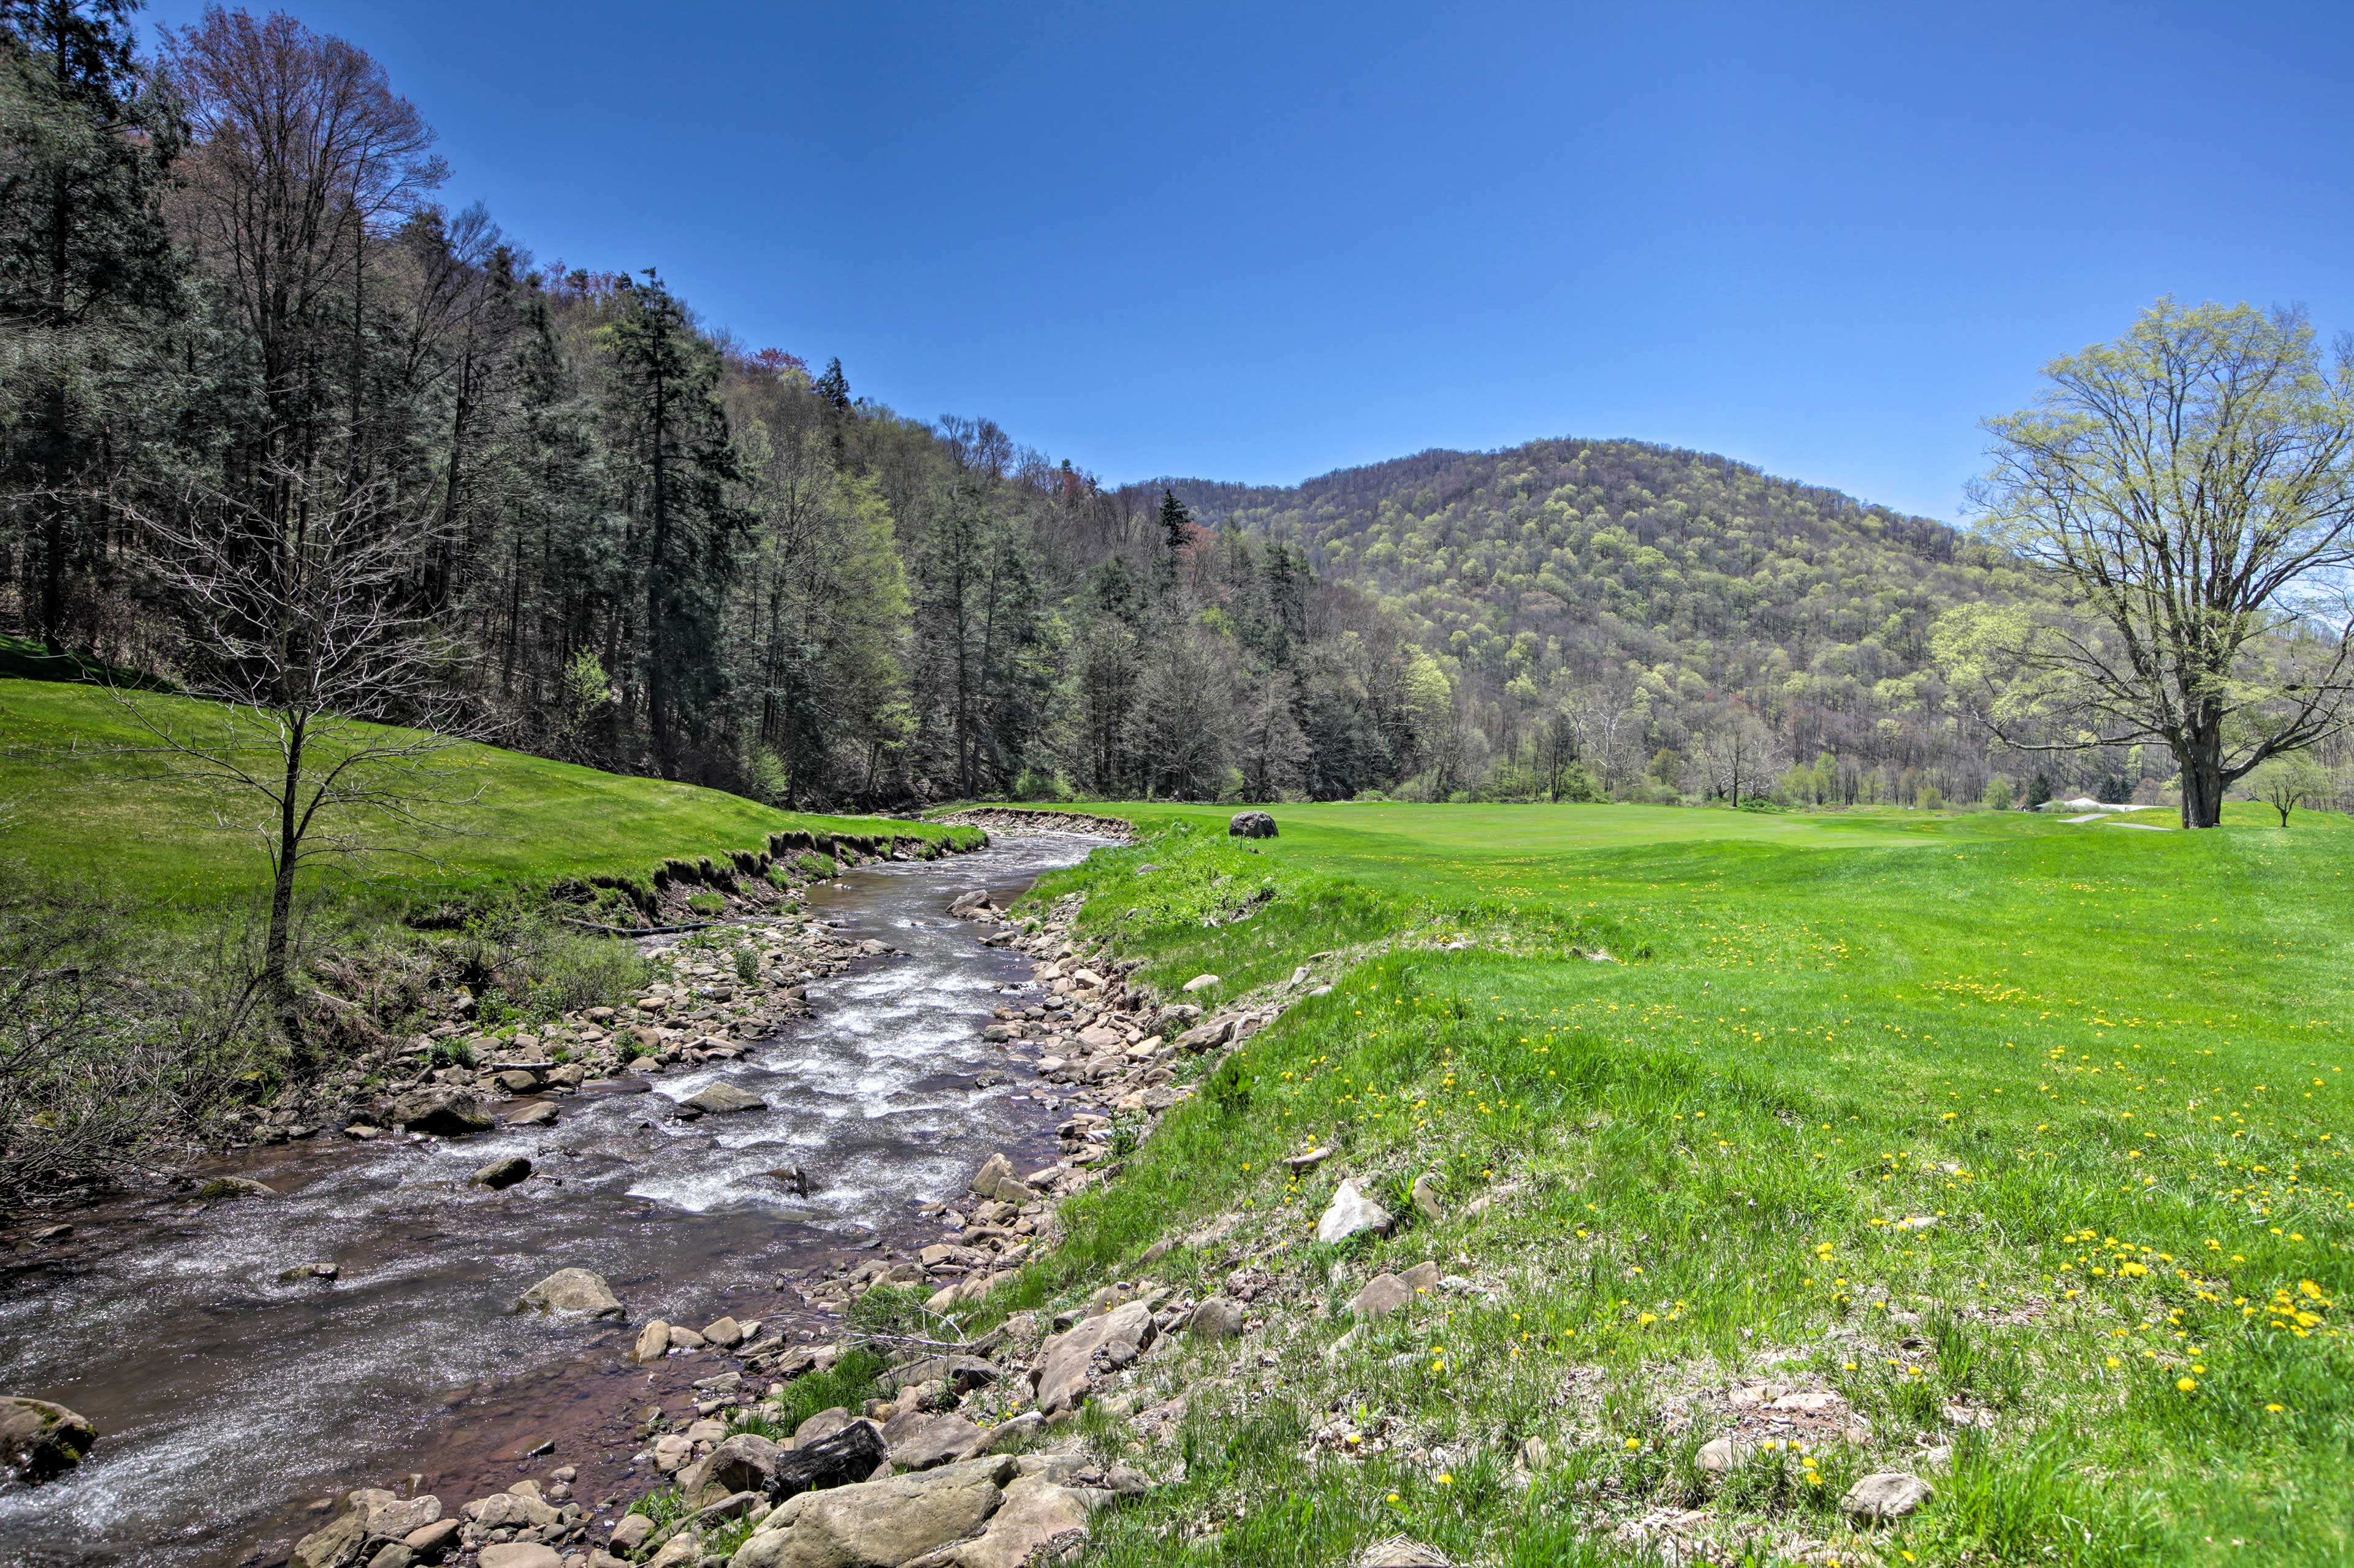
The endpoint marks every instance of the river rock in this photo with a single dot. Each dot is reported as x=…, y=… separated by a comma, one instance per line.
x=996, y=1179
x=727, y=1334
x=724, y=1098
x=1351, y=1214
x=1038, y=1520
x=653, y=1344
x=922, y=1442
x=504, y=1173
x=235, y=1187
x=879, y=1524
x=543, y=1114
x=39, y=1440
x=302, y=1271
x=520, y=1555
x=389, y=1516
x=434, y=1540
x=1065, y=1362
x=442, y=1109
x=337, y=1546
x=744, y=1462
x=394, y=1555
x=629, y=1533
x=573, y=1290
x=1885, y=1495
x=1250, y=825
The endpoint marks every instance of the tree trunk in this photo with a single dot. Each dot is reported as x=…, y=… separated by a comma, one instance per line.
x=2201, y=756
x=277, y=969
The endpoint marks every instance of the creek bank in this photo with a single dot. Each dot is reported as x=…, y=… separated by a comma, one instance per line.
x=969, y=1455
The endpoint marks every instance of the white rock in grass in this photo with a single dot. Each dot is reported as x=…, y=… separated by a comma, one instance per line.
x=1200, y=982
x=1885, y=1495
x=1352, y=1214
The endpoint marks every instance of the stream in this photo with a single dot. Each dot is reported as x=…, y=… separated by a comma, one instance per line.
x=230, y=1404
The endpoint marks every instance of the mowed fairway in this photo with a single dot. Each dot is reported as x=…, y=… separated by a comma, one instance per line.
x=83, y=800
x=2027, y=1140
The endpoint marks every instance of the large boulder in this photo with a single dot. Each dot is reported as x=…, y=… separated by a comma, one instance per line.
x=1038, y=1520
x=442, y=1109
x=1351, y=1214
x=1251, y=826
x=744, y=1462
x=572, y=1292
x=39, y=1440
x=1066, y=1362
x=879, y=1524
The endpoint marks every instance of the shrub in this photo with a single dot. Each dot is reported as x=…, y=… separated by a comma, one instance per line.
x=747, y=963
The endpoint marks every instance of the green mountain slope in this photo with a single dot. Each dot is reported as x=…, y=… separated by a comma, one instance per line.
x=1687, y=580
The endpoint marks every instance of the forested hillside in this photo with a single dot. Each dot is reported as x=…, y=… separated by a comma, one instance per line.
x=1671, y=611
x=245, y=346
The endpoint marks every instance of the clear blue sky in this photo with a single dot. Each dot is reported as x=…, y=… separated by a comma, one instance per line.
x=1261, y=241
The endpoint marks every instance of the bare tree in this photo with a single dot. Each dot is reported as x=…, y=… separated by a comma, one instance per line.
x=2189, y=490
x=306, y=641
x=1736, y=754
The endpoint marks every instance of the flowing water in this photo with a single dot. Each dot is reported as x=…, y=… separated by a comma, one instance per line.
x=229, y=1400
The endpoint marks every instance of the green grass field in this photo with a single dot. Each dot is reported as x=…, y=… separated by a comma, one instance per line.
x=76, y=805
x=2107, y=1064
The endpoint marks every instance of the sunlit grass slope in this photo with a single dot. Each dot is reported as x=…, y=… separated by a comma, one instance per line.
x=2109, y=1064
x=78, y=805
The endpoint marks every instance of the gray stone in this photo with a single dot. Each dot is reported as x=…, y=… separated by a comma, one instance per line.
x=1425, y=1198
x=629, y=1533
x=521, y=1555
x=302, y=1271
x=504, y=1173
x=540, y=1115
x=1038, y=1520
x=39, y=1440
x=1720, y=1457
x=435, y=1539
x=573, y=1290
x=653, y=1344
x=920, y=1442
x=996, y=1179
x=879, y=1524
x=1251, y=826
x=1885, y=1495
x=1216, y=1320
x=723, y=1098
x=1200, y=982
x=727, y=1334
x=1065, y=1362
x=1352, y=1214
x=394, y=1555
x=1381, y=1295
x=744, y=1462
x=442, y=1109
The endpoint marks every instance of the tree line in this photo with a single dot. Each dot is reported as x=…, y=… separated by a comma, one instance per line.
x=240, y=334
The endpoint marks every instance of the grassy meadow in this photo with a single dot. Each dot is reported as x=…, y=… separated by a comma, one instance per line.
x=83, y=800
x=2027, y=1140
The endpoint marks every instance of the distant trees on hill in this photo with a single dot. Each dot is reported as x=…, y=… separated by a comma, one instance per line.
x=228, y=292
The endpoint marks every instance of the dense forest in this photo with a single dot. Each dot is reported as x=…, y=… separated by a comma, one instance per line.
x=240, y=331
